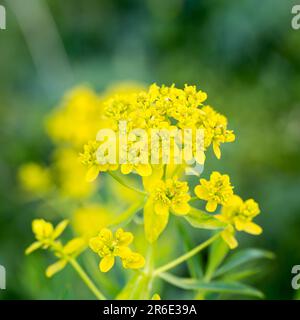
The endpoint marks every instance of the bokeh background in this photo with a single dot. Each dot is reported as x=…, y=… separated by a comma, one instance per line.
x=244, y=54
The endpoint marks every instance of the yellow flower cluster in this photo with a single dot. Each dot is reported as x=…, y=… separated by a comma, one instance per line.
x=217, y=190
x=46, y=236
x=80, y=115
x=109, y=246
x=77, y=119
x=165, y=196
x=235, y=213
x=160, y=108
x=239, y=215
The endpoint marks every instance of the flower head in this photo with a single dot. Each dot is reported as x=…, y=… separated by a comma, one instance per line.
x=164, y=197
x=45, y=233
x=239, y=215
x=171, y=194
x=216, y=190
x=109, y=246
x=46, y=236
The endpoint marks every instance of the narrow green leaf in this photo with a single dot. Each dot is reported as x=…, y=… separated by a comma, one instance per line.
x=217, y=253
x=195, y=262
x=241, y=257
x=230, y=287
x=202, y=220
x=240, y=275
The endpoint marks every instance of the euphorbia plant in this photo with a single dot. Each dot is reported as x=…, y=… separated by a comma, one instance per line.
x=161, y=189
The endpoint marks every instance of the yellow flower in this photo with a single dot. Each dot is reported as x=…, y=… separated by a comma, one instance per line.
x=134, y=159
x=34, y=178
x=239, y=215
x=109, y=246
x=89, y=159
x=217, y=190
x=77, y=119
x=165, y=196
x=45, y=234
x=216, y=132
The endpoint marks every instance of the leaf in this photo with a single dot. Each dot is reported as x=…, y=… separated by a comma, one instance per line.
x=154, y=224
x=194, y=263
x=55, y=267
x=241, y=257
x=243, y=274
x=138, y=288
x=33, y=247
x=217, y=253
x=202, y=220
x=59, y=229
x=230, y=287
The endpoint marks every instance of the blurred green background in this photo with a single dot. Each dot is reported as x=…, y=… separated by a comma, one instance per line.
x=244, y=54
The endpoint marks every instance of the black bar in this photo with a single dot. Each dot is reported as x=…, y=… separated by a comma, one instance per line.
x=183, y=309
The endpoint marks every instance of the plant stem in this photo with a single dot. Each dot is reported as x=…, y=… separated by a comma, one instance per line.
x=123, y=183
x=128, y=214
x=86, y=279
x=194, y=199
x=186, y=256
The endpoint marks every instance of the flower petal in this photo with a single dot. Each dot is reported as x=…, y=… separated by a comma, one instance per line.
x=133, y=261
x=253, y=228
x=92, y=174
x=126, y=168
x=201, y=192
x=107, y=263
x=144, y=170
x=211, y=206
x=123, y=238
x=181, y=208
x=96, y=244
x=217, y=150
x=33, y=247
x=229, y=238
x=55, y=267
x=59, y=229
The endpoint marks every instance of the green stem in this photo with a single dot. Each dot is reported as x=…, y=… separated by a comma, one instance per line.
x=186, y=256
x=128, y=214
x=86, y=279
x=194, y=199
x=123, y=183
